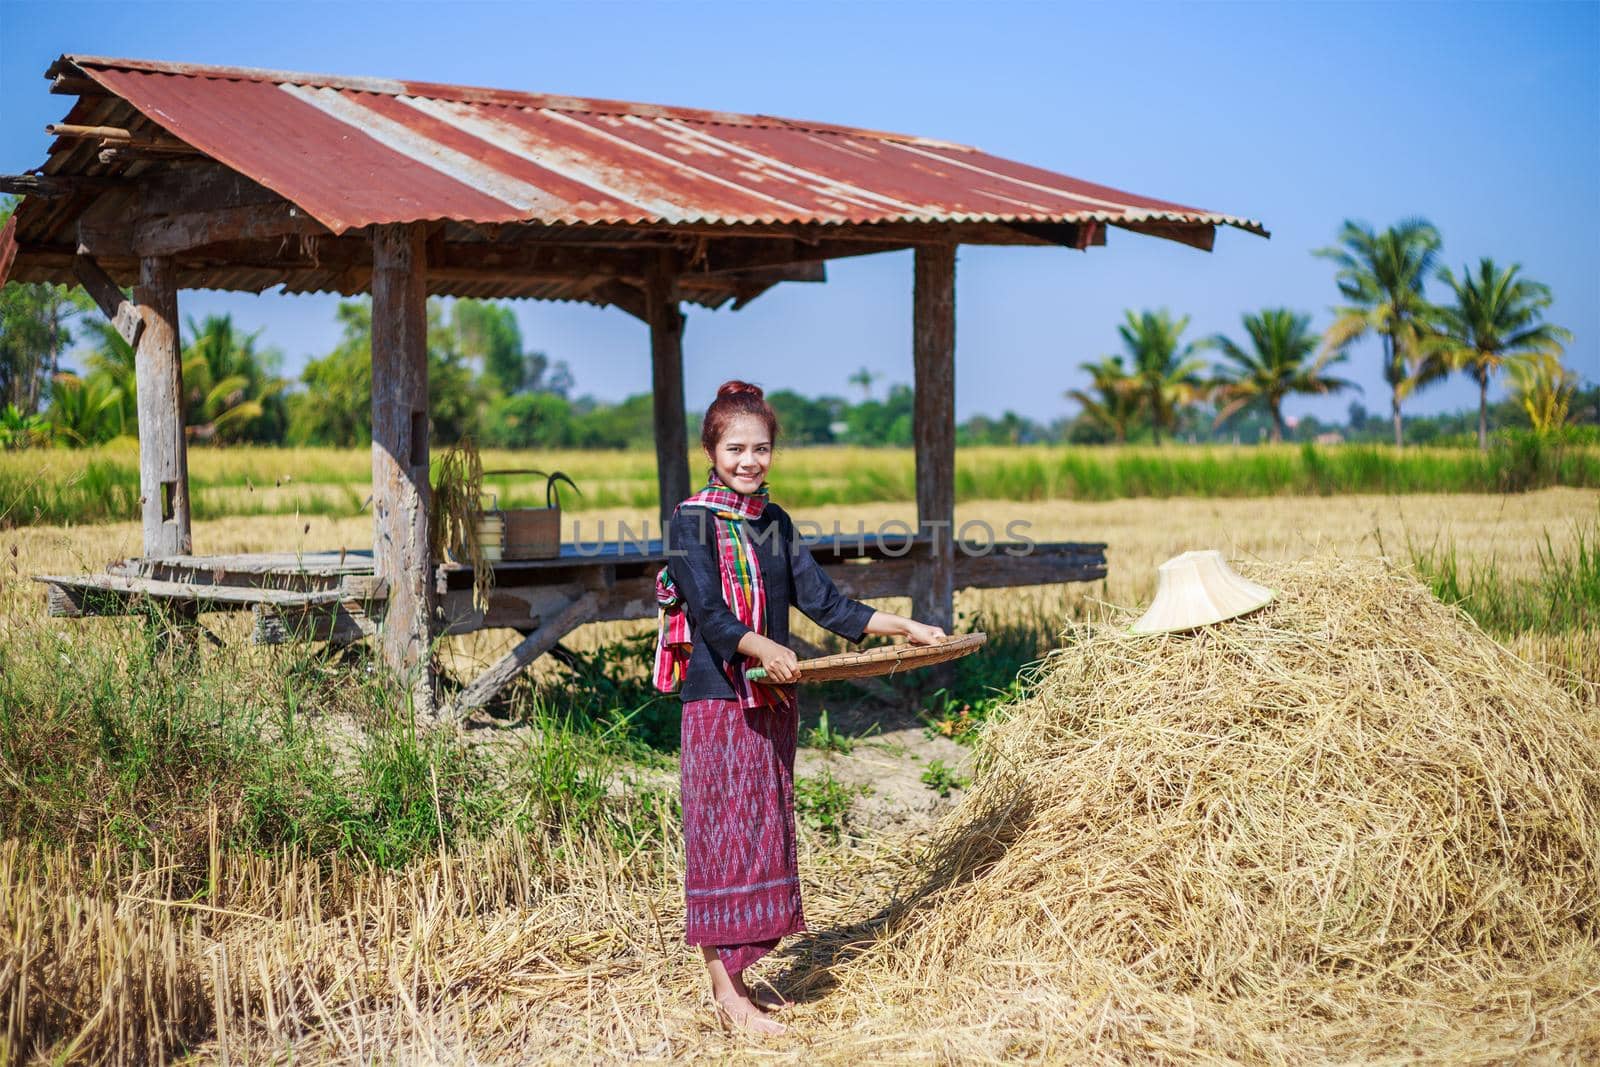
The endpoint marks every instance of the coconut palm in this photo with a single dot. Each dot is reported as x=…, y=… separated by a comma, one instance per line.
x=1383, y=275
x=113, y=361
x=1277, y=364
x=1113, y=399
x=1493, y=324
x=226, y=385
x=863, y=378
x=85, y=411
x=1544, y=388
x=1168, y=373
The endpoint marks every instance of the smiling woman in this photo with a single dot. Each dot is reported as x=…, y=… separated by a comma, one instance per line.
x=735, y=565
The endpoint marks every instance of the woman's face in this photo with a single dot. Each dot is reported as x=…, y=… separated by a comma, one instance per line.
x=743, y=454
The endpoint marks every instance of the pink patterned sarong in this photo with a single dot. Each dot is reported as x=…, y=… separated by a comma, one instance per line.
x=741, y=872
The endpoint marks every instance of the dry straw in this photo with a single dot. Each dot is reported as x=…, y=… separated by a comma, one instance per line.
x=1347, y=828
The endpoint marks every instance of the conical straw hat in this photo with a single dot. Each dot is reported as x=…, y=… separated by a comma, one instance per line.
x=1197, y=589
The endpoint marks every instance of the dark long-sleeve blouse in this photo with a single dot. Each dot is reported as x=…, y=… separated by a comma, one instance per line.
x=789, y=573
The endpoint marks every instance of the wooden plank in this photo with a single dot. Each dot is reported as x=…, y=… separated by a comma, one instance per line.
x=521, y=607
x=340, y=623
x=110, y=594
x=163, y=451
x=400, y=455
x=666, y=365
x=482, y=689
x=109, y=298
x=934, y=428
x=508, y=608
x=239, y=569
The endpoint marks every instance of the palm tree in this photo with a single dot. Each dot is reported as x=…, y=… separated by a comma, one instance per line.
x=1544, y=388
x=1493, y=324
x=113, y=361
x=85, y=412
x=1382, y=275
x=1277, y=364
x=1115, y=400
x=226, y=385
x=1168, y=376
x=863, y=378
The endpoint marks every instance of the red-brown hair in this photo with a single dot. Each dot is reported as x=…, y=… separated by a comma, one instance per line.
x=735, y=398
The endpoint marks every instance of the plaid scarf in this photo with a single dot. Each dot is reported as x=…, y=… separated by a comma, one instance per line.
x=742, y=590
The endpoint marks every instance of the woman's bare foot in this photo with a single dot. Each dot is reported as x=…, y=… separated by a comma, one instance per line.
x=741, y=1014
x=767, y=998
x=731, y=1000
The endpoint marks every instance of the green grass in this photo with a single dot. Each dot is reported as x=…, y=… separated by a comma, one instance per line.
x=1564, y=597
x=941, y=779
x=826, y=738
x=56, y=486
x=136, y=737
x=823, y=803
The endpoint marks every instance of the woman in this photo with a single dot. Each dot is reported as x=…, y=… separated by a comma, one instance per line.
x=734, y=567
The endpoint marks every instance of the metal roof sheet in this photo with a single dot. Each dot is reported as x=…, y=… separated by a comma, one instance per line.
x=357, y=151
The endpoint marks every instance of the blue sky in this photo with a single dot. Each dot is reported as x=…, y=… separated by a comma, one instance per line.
x=1485, y=118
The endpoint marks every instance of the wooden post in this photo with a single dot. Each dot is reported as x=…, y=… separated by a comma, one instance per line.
x=158, y=376
x=401, y=556
x=934, y=429
x=666, y=366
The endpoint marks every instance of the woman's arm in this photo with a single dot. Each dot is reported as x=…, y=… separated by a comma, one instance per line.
x=886, y=624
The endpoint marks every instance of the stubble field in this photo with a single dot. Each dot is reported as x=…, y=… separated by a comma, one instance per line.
x=240, y=853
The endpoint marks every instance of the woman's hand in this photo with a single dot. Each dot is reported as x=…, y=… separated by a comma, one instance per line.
x=920, y=633
x=781, y=664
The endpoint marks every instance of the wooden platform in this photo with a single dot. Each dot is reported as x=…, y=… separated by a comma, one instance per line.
x=334, y=597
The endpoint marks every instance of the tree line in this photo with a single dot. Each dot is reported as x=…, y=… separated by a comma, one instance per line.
x=1491, y=321
x=485, y=382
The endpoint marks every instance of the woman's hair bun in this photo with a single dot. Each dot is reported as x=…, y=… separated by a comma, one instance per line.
x=733, y=387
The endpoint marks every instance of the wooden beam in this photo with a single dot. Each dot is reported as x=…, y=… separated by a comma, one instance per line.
x=1195, y=235
x=629, y=299
x=666, y=383
x=401, y=556
x=196, y=186
x=136, y=153
x=482, y=689
x=116, y=135
x=163, y=452
x=76, y=85
x=1079, y=235
x=934, y=429
x=108, y=297
x=49, y=186
x=166, y=235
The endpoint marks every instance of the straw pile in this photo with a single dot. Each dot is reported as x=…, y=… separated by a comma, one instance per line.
x=1349, y=826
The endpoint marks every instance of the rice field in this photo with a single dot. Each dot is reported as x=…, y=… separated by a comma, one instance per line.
x=237, y=853
x=57, y=486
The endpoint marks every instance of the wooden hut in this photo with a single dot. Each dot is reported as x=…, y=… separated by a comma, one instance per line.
x=166, y=176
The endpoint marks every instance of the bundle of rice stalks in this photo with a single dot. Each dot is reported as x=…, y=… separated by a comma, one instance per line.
x=1348, y=826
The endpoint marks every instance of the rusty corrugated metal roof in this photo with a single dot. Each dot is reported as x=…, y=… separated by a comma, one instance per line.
x=355, y=151
x=514, y=181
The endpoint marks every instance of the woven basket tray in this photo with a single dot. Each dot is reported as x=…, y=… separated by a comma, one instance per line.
x=890, y=659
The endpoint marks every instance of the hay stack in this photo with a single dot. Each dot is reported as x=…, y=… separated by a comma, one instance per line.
x=1348, y=826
